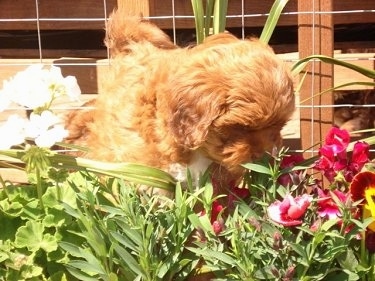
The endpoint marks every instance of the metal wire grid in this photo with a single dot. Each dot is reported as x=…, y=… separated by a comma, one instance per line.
x=174, y=17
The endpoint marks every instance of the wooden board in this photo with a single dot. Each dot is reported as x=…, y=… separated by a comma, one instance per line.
x=54, y=14
x=90, y=14
x=257, y=12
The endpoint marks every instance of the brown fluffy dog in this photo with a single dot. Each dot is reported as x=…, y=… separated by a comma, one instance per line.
x=224, y=101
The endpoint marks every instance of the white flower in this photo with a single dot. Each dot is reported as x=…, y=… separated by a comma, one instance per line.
x=45, y=129
x=12, y=132
x=62, y=85
x=51, y=136
x=38, y=87
x=72, y=88
x=28, y=88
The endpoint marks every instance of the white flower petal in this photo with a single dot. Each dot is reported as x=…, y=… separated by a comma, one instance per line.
x=12, y=132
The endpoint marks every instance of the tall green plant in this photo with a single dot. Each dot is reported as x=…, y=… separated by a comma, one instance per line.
x=211, y=18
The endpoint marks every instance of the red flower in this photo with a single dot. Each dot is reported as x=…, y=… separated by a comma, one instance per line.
x=218, y=226
x=290, y=210
x=360, y=156
x=215, y=211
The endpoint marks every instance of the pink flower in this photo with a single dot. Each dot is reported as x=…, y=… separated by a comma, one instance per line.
x=334, y=159
x=327, y=207
x=360, y=156
x=289, y=211
x=338, y=140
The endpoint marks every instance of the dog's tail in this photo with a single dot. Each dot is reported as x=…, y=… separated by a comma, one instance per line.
x=123, y=29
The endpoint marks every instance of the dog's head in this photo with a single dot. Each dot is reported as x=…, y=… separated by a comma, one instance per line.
x=230, y=100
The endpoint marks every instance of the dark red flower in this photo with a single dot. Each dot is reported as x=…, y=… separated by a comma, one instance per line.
x=289, y=161
x=362, y=188
x=360, y=183
x=215, y=211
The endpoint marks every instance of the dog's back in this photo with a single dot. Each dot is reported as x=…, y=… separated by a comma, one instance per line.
x=122, y=31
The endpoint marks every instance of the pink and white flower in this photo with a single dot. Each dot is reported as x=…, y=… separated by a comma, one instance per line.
x=289, y=211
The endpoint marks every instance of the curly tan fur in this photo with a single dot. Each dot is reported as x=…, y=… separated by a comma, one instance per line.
x=225, y=100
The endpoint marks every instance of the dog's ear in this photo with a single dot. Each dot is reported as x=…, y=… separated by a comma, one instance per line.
x=191, y=114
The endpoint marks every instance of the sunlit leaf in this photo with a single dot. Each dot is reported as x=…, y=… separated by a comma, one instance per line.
x=272, y=20
x=32, y=237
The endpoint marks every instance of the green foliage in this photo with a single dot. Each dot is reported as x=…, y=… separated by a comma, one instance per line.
x=210, y=18
x=130, y=236
x=30, y=235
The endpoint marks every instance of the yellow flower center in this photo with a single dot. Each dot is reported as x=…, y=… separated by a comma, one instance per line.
x=369, y=209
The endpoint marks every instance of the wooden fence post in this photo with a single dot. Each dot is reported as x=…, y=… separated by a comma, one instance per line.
x=315, y=36
x=134, y=7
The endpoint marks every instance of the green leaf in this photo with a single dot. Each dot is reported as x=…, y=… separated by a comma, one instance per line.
x=33, y=238
x=272, y=20
x=128, y=259
x=327, y=225
x=258, y=168
x=301, y=64
x=80, y=275
x=208, y=16
x=92, y=267
x=125, y=241
x=201, y=222
x=216, y=255
x=197, y=6
x=71, y=248
x=219, y=16
x=301, y=251
x=348, y=260
x=135, y=173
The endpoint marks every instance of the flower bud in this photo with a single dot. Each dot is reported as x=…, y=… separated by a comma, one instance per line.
x=277, y=241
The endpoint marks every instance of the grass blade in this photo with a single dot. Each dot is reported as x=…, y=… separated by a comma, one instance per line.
x=301, y=64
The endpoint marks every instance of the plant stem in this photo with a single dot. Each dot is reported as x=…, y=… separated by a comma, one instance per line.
x=364, y=261
x=39, y=187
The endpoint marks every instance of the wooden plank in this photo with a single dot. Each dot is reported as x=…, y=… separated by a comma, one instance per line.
x=54, y=14
x=257, y=11
x=134, y=7
x=89, y=14
x=344, y=75
x=315, y=36
x=51, y=53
